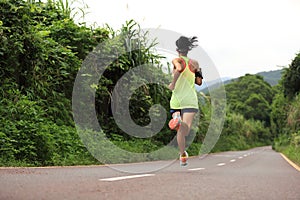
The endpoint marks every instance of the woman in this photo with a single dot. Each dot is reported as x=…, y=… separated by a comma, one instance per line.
x=184, y=101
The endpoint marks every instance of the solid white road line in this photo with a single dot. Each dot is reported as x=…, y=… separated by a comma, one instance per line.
x=291, y=162
x=221, y=164
x=196, y=169
x=125, y=177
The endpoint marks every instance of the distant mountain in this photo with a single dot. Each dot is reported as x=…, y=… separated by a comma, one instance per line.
x=211, y=84
x=271, y=77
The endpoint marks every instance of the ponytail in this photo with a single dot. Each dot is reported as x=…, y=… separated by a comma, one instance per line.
x=185, y=44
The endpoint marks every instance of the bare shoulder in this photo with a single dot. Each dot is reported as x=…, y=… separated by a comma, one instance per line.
x=177, y=63
x=176, y=60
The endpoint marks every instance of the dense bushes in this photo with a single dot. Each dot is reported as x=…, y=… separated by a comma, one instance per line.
x=288, y=139
x=250, y=96
x=247, y=122
x=41, y=51
x=239, y=133
x=286, y=113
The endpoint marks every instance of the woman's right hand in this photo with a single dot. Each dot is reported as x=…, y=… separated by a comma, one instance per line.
x=171, y=86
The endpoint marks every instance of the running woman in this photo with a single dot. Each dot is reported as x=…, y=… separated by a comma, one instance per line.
x=184, y=101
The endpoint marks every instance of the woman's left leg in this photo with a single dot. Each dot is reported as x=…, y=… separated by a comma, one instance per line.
x=184, y=130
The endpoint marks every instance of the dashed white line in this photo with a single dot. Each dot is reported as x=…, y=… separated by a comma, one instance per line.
x=126, y=177
x=240, y=157
x=196, y=169
x=221, y=164
x=233, y=160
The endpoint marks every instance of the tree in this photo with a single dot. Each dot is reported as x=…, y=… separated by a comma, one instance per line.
x=38, y=68
x=250, y=96
x=291, y=78
x=258, y=108
x=42, y=50
x=137, y=51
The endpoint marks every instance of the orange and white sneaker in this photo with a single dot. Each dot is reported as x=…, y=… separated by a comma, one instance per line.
x=184, y=159
x=175, y=122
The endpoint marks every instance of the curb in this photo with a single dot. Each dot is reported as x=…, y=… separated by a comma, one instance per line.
x=291, y=162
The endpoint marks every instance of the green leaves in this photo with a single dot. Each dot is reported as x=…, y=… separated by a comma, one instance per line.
x=286, y=112
x=250, y=96
x=247, y=121
x=43, y=33
x=135, y=50
x=291, y=78
x=41, y=51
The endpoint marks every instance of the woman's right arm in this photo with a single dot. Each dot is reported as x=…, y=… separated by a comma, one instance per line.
x=176, y=72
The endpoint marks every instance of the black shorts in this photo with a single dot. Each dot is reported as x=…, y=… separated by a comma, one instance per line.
x=184, y=110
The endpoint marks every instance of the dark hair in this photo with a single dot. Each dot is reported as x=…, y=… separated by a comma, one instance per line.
x=185, y=44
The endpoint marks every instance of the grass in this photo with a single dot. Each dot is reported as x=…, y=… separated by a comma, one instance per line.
x=293, y=153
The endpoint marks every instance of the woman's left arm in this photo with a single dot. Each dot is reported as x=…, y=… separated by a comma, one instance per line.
x=198, y=72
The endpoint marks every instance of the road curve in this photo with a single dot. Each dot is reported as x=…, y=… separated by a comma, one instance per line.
x=258, y=173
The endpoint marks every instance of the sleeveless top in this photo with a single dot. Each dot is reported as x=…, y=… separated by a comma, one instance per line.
x=184, y=94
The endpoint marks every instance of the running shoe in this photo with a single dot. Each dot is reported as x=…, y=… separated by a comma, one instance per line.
x=175, y=122
x=184, y=159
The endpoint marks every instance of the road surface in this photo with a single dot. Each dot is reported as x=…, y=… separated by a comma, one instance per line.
x=259, y=173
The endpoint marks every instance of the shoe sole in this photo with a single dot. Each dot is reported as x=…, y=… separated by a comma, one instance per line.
x=183, y=164
x=174, y=124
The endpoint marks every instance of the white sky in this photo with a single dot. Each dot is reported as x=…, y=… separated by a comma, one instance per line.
x=240, y=36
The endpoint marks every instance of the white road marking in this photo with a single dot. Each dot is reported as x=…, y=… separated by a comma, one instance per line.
x=240, y=157
x=125, y=177
x=196, y=169
x=245, y=155
x=233, y=160
x=223, y=155
x=221, y=164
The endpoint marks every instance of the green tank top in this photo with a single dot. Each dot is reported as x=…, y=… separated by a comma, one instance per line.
x=184, y=94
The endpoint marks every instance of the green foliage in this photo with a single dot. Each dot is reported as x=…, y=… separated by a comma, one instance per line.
x=247, y=120
x=278, y=114
x=258, y=102
x=293, y=118
x=289, y=144
x=205, y=109
x=27, y=135
x=239, y=133
x=41, y=51
x=291, y=78
x=135, y=50
x=250, y=96
x=286, y=113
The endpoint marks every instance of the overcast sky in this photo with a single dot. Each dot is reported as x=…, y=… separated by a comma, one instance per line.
x=240, y=36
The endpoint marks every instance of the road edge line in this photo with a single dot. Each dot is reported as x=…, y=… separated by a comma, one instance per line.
x=290, y=162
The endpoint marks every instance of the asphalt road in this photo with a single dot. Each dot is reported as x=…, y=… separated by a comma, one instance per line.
x=256, y=174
